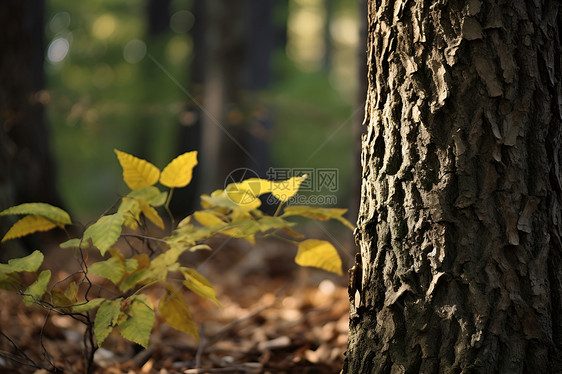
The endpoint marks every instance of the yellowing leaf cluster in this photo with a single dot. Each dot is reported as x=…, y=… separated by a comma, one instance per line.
x=37, y=217
x=139, y=173
x=233, y=212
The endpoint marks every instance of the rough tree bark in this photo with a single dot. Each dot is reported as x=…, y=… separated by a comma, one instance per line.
x=460, y=221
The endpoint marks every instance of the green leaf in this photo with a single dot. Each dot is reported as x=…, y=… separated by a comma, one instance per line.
x=140, y=319
x=88, y=305
x=110, y=269
x=322, y=214
x=71, y=291
x=130, y=209
x=190, y=234
x=151, y=195
x=28, y=263
x=320, y=254
x=73, y=243
x=131, y=264
x=106, y=318
x=105, y=232
x=199, y=284
x=168, y=261
x=60, y=301
x=28, y=225
x=134, y=279
x=174, y=310
x=219, y=199
x=37, y=288
x=267, y=223
x=52, y=213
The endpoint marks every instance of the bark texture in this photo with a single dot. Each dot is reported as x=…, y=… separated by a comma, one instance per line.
x=460, y=221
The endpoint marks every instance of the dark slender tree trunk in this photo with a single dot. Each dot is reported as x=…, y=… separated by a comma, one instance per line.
x=224, y=147
x=27, y=170
x=460, y=221
x=190, y=132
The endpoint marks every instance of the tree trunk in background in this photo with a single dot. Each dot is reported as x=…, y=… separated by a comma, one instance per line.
x=261, y=42
x=223, y=147
x=228, y=125
x=189, y=136
x=157, y=30
x=460, y=222
x=26, y=165
x=158, y=14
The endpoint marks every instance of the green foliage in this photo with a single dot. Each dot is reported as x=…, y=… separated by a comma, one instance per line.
x=233, y=212
x=37, y=288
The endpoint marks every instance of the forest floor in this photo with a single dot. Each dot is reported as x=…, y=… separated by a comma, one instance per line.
x=275, y=318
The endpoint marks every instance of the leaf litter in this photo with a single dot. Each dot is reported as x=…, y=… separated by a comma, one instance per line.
x=275, y=318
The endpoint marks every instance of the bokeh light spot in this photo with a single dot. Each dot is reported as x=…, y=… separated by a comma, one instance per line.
x=182, y=21
x=59, y=22
x=134, y=51
x=58, y=49
x=177, y=49
x=104, y=26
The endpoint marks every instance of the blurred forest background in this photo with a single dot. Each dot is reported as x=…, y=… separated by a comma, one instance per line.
x=247, y=83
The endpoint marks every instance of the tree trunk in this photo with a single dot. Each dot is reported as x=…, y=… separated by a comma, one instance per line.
x=27, y=170
x=460, y=221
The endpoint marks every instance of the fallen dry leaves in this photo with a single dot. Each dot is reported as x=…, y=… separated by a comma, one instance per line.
x=276, y=318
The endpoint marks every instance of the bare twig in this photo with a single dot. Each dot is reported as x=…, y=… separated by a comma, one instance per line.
x=248, y=367
x=20, y=351
x=144, y=237
x=46, y=354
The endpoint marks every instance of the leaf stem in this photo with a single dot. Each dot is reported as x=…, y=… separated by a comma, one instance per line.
x=167, y=207
x=278, y=209
x=276, y=236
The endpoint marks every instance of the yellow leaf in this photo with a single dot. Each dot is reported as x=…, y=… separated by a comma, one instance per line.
x=179, y=172
x=151, y=213
x=28, y=225
x=208, y=219
x=174, y=310
x=52, y=213
x=284, y=190
x=199, y=284
x=322, y=214
x=137, y=173
x=242, y=196
x=257, y=186
x=320, y=254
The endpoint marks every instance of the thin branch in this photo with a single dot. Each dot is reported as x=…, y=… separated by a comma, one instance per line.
x=46, y=354
x=144, y=237
x=15, y=359
x=20, y=351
